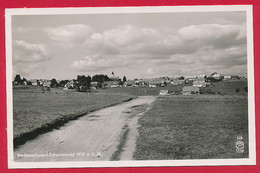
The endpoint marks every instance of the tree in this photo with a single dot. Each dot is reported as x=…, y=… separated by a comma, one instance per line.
x=100, y=78
x=63, y=82
x=237, y=90
x=18, y=79
x=54, y=83
x=84, y=80
x=124, y=79
x=246, y=89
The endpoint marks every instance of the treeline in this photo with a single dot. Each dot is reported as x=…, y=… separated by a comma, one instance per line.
x=20, y=80
x=81, y=80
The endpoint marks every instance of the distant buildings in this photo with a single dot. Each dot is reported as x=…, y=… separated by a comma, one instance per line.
x=46, y=83
x=190, y=84
x=93, y=85
x=70, y=84
x=227, y=77
x=130, y=83
x=175, y=81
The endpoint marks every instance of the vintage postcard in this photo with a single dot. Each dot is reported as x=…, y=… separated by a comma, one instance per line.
x=130, y=86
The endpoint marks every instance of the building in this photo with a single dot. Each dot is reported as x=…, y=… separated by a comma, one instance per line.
x=216, y=76
x=200, y=82
x=143, y=82
x=191, y=78
x=178, y=81
x=189, y=90
x=164, y=92
x=235, y=77
x=202, y=76
x=46, y=83
x=35, y=82
x=157, y=82
x=227, y=77
x=70, y=84
x=93, y=85
x=130, y=83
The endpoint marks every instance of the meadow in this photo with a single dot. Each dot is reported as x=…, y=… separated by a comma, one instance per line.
x=36, y=112
x=230, y=87
x=193, y=127
x=201, y=126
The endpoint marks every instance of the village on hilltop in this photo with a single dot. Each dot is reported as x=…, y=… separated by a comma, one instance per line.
x=86, y=83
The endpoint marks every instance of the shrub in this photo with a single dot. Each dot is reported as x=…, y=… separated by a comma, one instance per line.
x=246, y=89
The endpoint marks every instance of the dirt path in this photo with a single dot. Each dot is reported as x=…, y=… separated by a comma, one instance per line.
x=130, y=143
x=92, y=137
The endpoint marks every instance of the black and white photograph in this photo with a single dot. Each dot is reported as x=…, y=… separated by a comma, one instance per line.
x=130, y=86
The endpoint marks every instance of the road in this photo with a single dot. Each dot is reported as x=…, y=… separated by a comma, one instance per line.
x=92, y=137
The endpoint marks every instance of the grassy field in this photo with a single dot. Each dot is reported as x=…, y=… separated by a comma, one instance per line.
x=193, y=127
x=177, y=127
x=142, y=91
x=231, y=87
x=35, y=112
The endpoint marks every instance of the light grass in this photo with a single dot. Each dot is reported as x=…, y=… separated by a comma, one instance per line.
x=193, y=127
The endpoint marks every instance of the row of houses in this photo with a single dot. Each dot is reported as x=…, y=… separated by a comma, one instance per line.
x=200, y=81
x=186, y=90
x=40, y=82
x=196, y=81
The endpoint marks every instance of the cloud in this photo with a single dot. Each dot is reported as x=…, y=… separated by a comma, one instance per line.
x=97, y=63
x=150, y=71
x=226, y=58
x=28, y=56
x=210, y=45
x=129, y=39
x=212, y=32
x=28, y=52
x=121, y=40
x=68, y=35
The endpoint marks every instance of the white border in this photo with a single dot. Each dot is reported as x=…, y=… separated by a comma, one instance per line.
x=109, y=10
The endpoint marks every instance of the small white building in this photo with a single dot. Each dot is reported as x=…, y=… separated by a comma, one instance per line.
x=34, y=82
x=46, y=83
x=164, y=92
x=227, y=77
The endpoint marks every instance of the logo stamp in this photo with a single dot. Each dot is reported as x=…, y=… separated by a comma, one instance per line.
x=240, y=145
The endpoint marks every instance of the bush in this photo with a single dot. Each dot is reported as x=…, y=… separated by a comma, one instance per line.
x=246, y=89
x=208, y=91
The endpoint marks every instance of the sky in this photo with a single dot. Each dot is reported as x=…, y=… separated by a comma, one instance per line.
x=140, y=45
